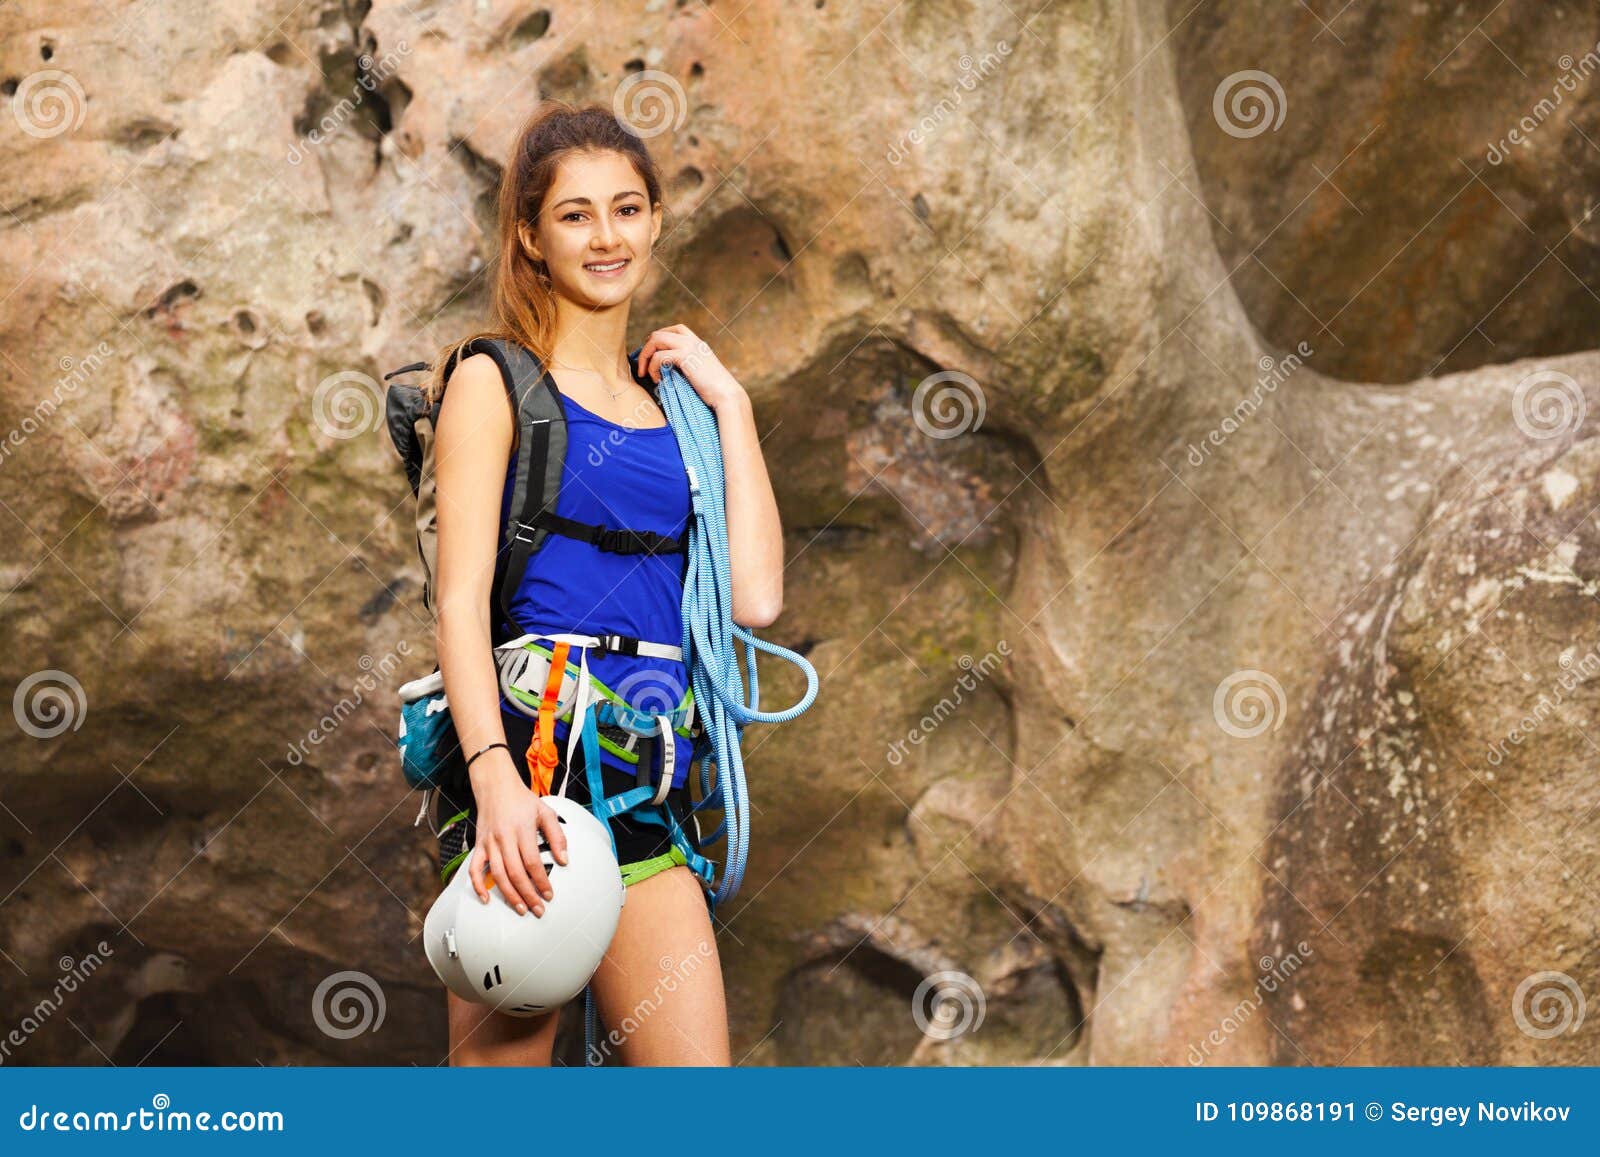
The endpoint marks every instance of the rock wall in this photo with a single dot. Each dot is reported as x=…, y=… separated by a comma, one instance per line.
x=1203, y=682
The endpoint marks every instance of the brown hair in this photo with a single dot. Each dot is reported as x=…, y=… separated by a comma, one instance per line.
x=522, y=304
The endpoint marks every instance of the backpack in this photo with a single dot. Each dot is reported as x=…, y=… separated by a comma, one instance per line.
x=540, y=449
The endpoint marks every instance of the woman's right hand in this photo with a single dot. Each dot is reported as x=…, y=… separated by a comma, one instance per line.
x=510, y=818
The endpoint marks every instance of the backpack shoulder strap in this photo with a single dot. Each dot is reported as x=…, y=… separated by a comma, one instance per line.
x=539, y=452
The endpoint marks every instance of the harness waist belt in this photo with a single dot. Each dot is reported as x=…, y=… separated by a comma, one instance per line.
x=622, y=644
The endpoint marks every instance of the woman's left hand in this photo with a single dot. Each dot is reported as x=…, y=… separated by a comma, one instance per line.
x=693, y=358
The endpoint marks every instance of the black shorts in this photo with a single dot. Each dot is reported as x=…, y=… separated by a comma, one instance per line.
x=635, y=841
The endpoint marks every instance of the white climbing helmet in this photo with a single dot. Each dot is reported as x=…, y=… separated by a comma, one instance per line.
x=530, y=965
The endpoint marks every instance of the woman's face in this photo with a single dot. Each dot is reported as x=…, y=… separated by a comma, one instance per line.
x=595, y=230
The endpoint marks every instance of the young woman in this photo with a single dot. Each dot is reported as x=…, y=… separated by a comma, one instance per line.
x=580, y=209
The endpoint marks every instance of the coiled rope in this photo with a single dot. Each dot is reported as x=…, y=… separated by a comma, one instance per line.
x=709, y=632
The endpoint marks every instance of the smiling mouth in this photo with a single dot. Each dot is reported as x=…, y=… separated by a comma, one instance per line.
x=607, y=268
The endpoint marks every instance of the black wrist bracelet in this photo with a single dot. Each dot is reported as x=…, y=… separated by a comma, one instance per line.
x=491, y=747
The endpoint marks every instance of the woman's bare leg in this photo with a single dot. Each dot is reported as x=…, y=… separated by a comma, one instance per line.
x=481, y=1036
x=659, y=989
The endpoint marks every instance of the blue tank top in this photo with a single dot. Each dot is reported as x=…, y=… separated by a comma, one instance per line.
x=615, y=476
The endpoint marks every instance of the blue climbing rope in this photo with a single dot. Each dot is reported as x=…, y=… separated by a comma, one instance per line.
x=709, y=632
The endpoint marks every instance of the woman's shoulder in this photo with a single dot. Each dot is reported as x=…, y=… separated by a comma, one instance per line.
x=477, y=374
x=474, y=403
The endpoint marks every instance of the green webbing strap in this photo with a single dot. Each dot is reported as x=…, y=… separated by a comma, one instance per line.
x=444, y=872
x=644, y=869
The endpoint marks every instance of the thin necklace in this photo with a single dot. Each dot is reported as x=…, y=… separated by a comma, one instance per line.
x=581, y=369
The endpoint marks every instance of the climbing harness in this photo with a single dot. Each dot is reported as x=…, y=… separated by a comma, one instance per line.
x=530, y=687
x=593, y=703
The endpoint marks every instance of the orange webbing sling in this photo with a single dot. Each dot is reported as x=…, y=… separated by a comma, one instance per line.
x=542, y=753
